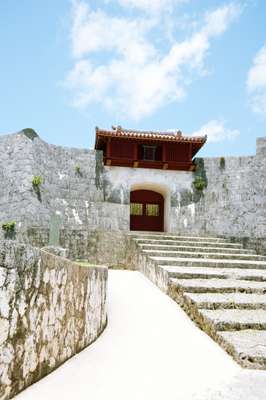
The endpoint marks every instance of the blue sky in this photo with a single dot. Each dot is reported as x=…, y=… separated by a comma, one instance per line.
x=198, y=66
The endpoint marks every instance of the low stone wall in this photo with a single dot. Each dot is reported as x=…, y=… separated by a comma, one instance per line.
x=50, y=309
x=140, y=262
x=110, y=248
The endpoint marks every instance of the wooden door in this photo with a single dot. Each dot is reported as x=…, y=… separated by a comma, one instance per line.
x=146, y=211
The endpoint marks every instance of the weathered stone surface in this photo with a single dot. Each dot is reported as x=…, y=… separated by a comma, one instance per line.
x=220, y=285
x=220, y=273
x=200, y=262
x=51, y=308
x=179, y=238
x=163, y=241
x=110, y=248
x=159, y=276
x=76, y=197
x=233, y=203
x=205, y=255
x=236, y=319
x=214, y=301
x=58, y=251
x=249, y=344
x=195, y=249
x=261, y=146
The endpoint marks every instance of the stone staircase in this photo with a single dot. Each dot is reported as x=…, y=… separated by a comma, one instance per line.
x=220, y=285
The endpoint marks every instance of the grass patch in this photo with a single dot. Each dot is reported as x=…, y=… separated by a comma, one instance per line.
x=84, y=263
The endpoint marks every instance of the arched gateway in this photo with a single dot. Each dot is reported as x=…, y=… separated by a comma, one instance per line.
x=140, y=153
x=146, y=211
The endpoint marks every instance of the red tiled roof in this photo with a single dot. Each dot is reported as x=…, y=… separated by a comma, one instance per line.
x=135, y=134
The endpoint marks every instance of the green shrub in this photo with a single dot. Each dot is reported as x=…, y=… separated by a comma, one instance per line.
x=199, y=183
x=9, y=227
x=78, y=169
x=37, y=181
x=30, y=133
x=222, y=162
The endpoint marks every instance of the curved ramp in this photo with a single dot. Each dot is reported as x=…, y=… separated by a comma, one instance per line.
x=150, y=350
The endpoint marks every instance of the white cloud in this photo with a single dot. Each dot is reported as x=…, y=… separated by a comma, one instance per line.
x=95, y=32
x=256, y=82
x=216, y=131
x=217, y=21
x=151, y=6
x=120, y=66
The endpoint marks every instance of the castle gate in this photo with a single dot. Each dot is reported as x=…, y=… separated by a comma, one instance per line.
x=146, y=211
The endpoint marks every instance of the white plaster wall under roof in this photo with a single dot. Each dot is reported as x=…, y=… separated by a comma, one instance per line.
x=168, y=183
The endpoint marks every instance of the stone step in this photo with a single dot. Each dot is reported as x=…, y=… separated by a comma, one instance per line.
x=188, y=243
x=222, y=273
x=214, y=301
x=201, y=249
x=218, y=285
x=249, y=345
x=194, y=262
x=232, y=320
x=182, y=238
x=200, y=255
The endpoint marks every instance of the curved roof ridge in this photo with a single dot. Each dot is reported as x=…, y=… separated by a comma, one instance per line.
x=155, y=132
x=118, y=131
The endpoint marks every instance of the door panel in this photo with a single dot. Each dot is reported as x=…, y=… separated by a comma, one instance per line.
x=146, y=211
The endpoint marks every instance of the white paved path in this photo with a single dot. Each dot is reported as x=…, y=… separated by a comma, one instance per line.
x=149, y=351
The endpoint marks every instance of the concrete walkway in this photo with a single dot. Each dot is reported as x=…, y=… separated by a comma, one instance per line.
x=149, y=351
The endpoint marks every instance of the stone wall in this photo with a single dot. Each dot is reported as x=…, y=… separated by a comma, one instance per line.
x=141, y=262
x=109, y=248
x=50, y=309
x=72, y=187
x=233, y=203
x=80, y=196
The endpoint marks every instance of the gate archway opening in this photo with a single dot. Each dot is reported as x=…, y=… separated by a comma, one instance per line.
x=146, y=211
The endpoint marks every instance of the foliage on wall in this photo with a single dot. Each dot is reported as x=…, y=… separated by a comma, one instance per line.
x=98, y=170
x=222, y=163
x=200, y=179
x=9, y=228
x=30, y=133
x=199, y=183
x=36, y=183
x=78, y=170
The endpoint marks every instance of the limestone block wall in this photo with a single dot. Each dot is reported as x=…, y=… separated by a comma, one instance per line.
x=72, y=185
x=87, y=196
x=50, y=309
x=234, y=202
x=110, y=248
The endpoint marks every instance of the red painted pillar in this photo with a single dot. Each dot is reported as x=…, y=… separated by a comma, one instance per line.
x=135, y=152
x=108, y=148
x=164, y=153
